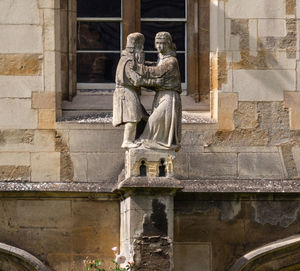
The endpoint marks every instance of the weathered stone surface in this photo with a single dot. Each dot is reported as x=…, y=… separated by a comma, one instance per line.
x=263, y=85
x=20, y=64
x=23, y=39
x=93, y=141
x=104, y=166
x=15, y=158
x=271, y=27
x=47, y=118
x=202, y=165
x=292, y=101
x=49, y=3
x=260, y=165
x=12, y=173
x=45, y=167
x=19, y=12
x=17, y=114
x=19, y=86
x=43, y=100
x=192, y=256
x=246, y=117
x=79, y=161
x=253, y=9
x=296, y=157
x=227, y=104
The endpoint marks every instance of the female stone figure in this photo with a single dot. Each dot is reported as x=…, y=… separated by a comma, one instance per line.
x=163, y=129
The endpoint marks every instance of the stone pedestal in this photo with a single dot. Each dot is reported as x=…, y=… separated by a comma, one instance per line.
x=141, y=162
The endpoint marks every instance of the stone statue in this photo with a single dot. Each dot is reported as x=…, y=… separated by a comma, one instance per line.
x=127, y=108
x=163, y=129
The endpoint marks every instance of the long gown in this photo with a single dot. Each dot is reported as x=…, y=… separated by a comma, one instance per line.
x=163, y=129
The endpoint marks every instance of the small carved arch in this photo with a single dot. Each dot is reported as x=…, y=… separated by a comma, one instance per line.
x=15, y=259
x=281, y=255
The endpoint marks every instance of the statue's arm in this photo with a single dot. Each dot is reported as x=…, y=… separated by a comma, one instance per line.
x=151, y=71
x=140, y=81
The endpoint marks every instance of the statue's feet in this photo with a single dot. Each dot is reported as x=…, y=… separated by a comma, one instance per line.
x=129, y=145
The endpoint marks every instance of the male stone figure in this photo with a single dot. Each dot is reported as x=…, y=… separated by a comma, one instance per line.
x=127, y=108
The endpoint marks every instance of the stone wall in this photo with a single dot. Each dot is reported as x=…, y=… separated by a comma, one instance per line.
x=253, y=134
x=59, y=229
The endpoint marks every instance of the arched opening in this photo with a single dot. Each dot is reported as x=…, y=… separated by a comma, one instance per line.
x=15, y=259
x=281, y=255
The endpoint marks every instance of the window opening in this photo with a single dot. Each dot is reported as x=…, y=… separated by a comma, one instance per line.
x=162, y=168
x=99, y=42
x=143, y=169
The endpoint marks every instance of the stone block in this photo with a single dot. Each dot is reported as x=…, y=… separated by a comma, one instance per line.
x=45, y=167
x=80, y=166
x=181, y=166
x=19, y=12
x=263, y=85
x=17, y=114
x=50, y=72
x=260, y=165
x=96, y=140
x=49, y=3
x=20, y=64
x=39, y=213
x=19, y=86
x=104, y=166
x=151, y=163
x=44, y=140
x=272, y=28
x=207, y=165
x=227, y=104
x=15, y=158
x=43, y=100
x=47, y=118
x=15, y=173
x=192, y=256
x=23, y=39
x=244, y=9
x=296, y=156
x=292, y=101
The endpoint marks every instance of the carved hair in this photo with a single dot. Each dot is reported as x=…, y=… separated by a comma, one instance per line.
x=168, y=38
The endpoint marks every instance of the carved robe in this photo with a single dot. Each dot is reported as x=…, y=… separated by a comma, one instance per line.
x=163, y=129
x=127, y=106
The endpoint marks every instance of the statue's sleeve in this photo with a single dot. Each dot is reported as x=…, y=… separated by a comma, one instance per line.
x=152, y=71
x=138, y=80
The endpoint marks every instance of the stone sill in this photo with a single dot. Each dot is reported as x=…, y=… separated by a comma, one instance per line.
x=103, y=120
x=189, y=186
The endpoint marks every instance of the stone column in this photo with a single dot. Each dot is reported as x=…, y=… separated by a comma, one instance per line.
x=147, y=228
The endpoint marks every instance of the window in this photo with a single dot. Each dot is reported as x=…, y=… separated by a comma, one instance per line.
x=102, y=28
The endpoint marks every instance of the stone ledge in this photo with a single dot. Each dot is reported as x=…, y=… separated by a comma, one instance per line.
x=242, y=186
x=152, y=183
x=11, y=186
x=160, y=183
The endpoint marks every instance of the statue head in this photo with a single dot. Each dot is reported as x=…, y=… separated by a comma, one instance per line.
x=135, y=45
x=163, y=42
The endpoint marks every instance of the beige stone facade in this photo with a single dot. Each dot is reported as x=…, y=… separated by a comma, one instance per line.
x=57, y=176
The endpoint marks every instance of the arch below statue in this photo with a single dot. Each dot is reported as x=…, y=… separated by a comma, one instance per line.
x=282, y=255
x=15, y=259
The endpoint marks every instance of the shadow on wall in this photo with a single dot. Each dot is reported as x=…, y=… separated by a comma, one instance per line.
x=15, y=259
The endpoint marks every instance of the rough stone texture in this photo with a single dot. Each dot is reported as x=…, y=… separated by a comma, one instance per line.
x=152, y=253
x=12, y=173
x=259, y=220
x=90, y=227
x=227, y=103
x=20, y=64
